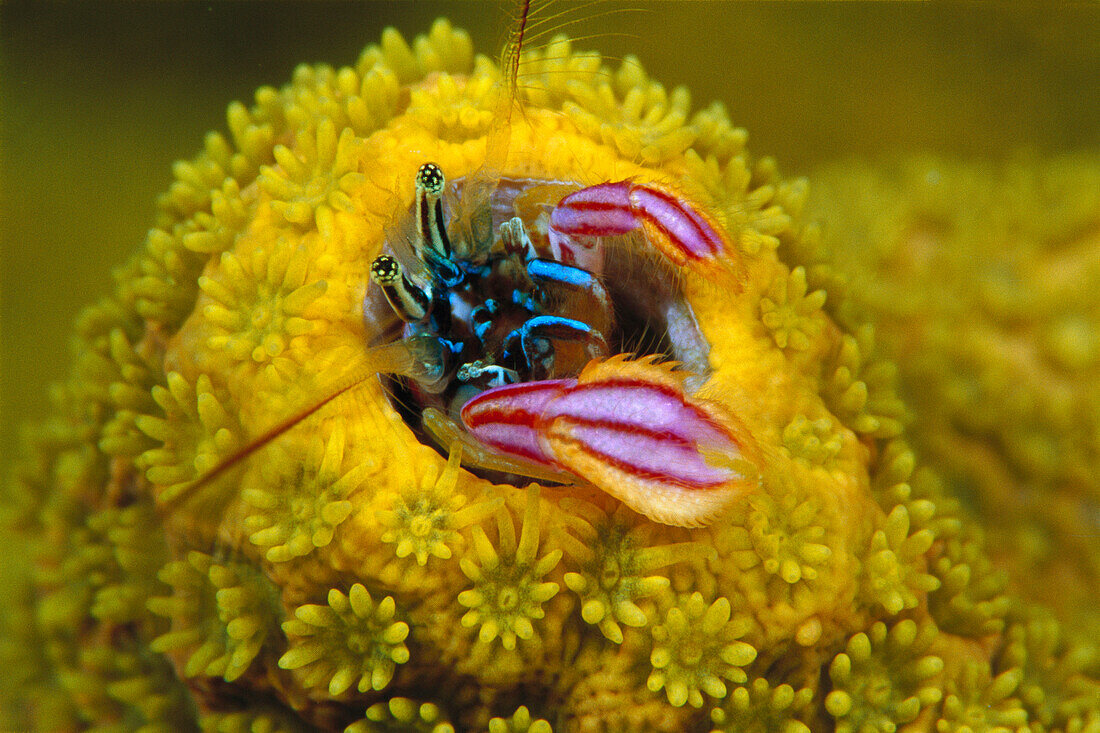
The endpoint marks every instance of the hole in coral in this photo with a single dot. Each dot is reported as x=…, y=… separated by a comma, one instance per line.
x=502, y=308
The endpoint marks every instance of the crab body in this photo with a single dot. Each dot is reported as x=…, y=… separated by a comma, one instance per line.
x=522, y=332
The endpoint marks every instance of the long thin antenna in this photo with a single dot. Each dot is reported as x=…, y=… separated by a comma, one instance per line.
x=388, y=358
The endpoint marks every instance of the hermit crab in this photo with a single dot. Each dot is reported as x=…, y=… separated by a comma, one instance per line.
x=517, y=335
x=537, y=324
x=545, y=336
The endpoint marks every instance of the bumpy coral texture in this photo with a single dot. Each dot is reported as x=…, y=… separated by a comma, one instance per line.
x=982, y=281
x=347, y=577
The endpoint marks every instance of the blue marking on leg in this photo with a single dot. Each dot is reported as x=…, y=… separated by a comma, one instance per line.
x=551, y=271
x=535, y=336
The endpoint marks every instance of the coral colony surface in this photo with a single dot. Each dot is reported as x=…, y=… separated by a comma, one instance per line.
x=363, y=571
x=981, y=280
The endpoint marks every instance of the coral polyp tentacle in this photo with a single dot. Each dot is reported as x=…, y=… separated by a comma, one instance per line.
x=617, y=566
x=760, y=707
x=293, y=516
x=222, y=614
x=885, y=677
x=696, y=650
x=426, y=519
x=402, y=713
x=507, y=592
x=352, y=641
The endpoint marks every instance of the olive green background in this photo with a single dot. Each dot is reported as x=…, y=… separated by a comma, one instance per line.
x=97, y=100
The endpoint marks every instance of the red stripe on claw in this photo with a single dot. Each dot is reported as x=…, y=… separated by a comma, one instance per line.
x=668, y=218
x=602, y=210
x=507, y=417
x=682, y=233
x=630, y=429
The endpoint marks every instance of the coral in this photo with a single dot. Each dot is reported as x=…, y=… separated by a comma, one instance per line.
x=895, y=577
x=109, y=572
x=633, y=115
x=122, y=684
x=318, y=171
x=239, y=516
x=351, y=641
x=782, y=535
x=789, y=312
x=615, y=561
x=762, y=708
x=817, y=442
x=260, y=304
x=696, y=648
x=456, y=114
x=884, y=677
x=610, y=698
x=861, y=392
x=1059, y=678
x=196, y=432
x=980, y=279
x=402, y=714
x=975, y=702
x=970, y=600
x=507, y=588
x=519, y=722
x=426, y=521
x=222, y=613
x=292, y=518
x=257, y=720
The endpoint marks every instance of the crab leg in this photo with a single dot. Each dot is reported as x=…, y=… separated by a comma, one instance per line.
x=534, y=338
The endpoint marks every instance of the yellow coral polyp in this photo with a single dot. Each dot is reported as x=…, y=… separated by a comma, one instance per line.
x=520, y=721
x=456, y=110
x=790, y=313
x=222, y=614
x=895, y=576
x=426, y=521
x=761, y=708
x=976, y=702
x=196, y=431
x=971, y=599
x=784, y=537
x=817, y=442
x=291, y=518
x=260, y=305
x=884, y=678
x=508, y=590
x=319, y=171
x=615, y=562
x=635, y=116
x=696, y=648
x=350, y=641
x=404, y=714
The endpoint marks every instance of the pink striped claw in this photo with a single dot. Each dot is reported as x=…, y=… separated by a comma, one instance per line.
x=629, y=428
x=682, y=233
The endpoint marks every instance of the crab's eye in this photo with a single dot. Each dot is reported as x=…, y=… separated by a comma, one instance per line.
x=430, y=178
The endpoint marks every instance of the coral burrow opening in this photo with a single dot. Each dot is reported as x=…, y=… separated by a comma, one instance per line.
x=488, y=298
